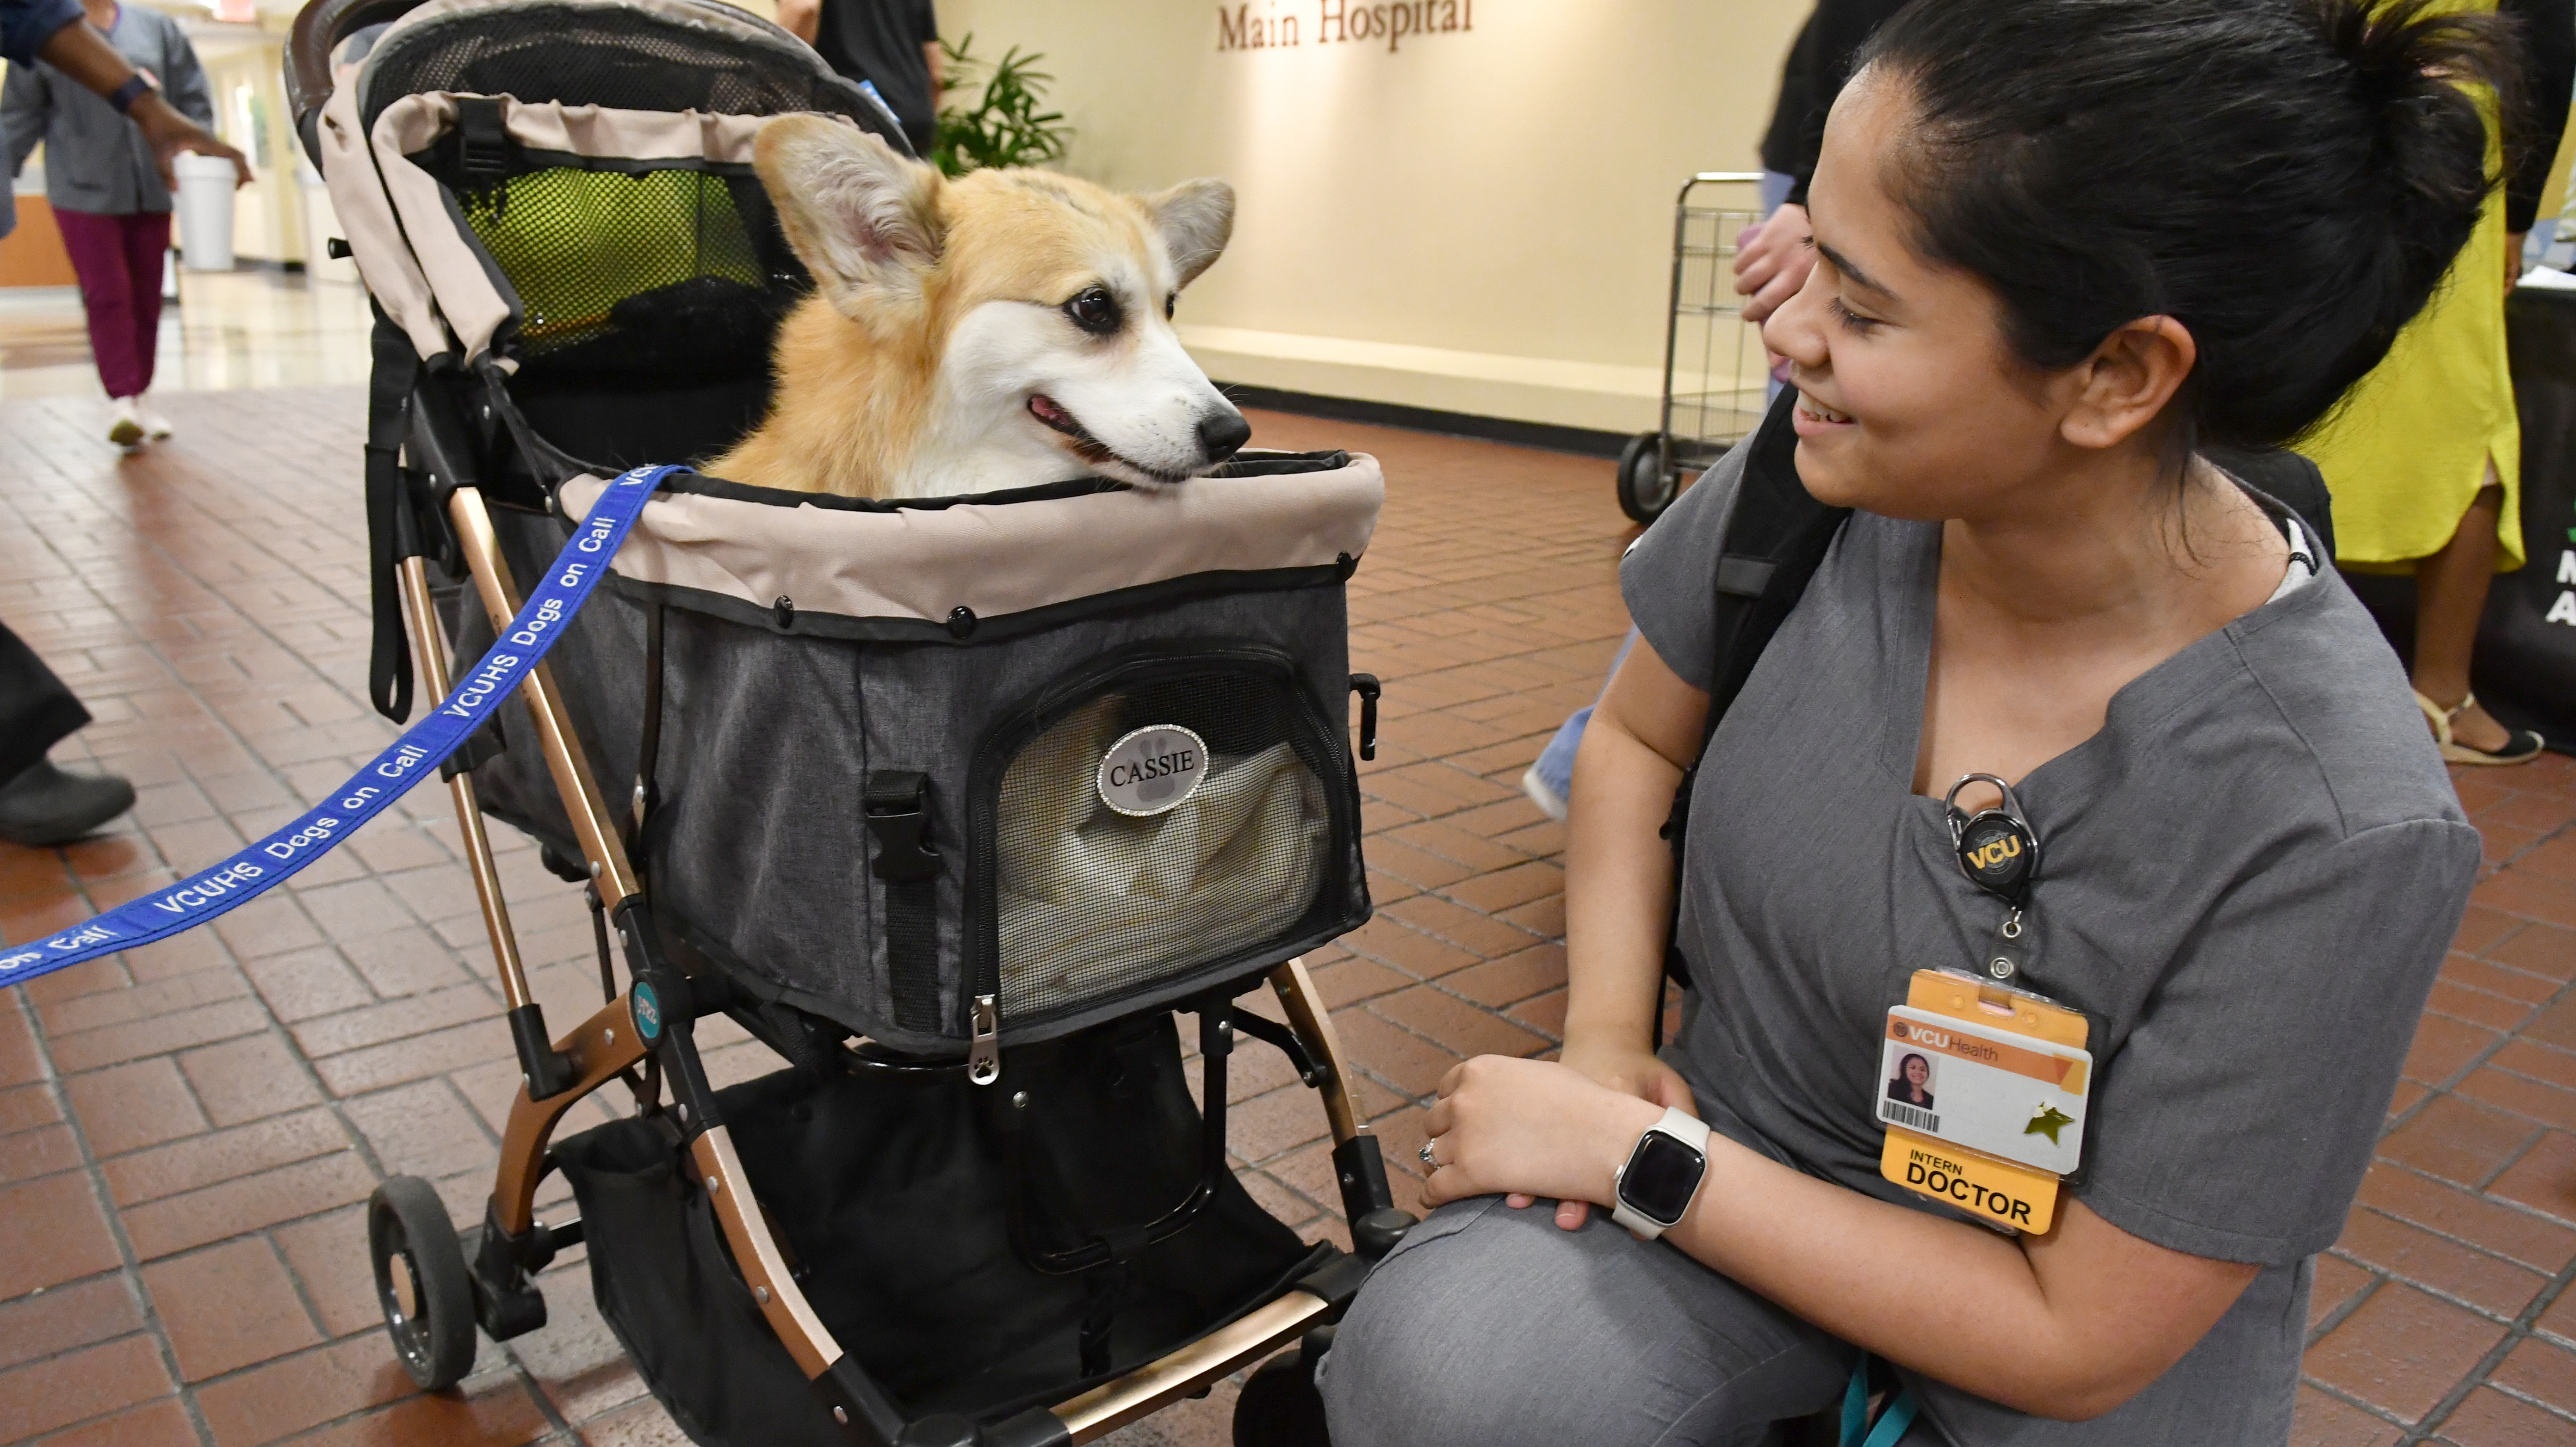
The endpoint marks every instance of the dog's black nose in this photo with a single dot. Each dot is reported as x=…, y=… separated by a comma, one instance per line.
x=1222, y=433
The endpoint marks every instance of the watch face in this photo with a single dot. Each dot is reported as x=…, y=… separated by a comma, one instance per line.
x=1661, y=1177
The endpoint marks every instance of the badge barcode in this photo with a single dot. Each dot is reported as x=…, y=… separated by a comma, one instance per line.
x=1907, y=1115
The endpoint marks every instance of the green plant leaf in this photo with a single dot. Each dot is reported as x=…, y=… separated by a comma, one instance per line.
x=1005, y=125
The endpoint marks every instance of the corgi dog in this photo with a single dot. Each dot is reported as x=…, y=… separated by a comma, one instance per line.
x=1007, y=328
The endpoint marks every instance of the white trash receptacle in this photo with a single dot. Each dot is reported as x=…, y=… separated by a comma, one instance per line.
x=205, y=203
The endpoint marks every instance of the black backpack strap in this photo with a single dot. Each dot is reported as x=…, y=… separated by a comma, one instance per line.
x=392, y=533
x=1775, y=538
x=2287, y=478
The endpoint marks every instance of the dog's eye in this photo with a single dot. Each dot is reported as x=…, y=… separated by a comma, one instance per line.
x=1094, y=310
x=1170, y=301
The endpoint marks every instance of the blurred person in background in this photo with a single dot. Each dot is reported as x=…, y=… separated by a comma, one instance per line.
x=1774, y=258
x=107, y=173
x=2424, y=458
x=889, y=46
x=1771, y=262
x=39, y=803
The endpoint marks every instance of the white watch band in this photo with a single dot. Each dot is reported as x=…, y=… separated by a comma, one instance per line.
x=1690, y=1132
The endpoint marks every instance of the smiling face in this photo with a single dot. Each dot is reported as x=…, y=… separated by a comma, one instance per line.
x=1911, y=403
x=1918, y=1071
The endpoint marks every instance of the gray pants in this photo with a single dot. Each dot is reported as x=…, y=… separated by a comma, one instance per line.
x=1491, y=1327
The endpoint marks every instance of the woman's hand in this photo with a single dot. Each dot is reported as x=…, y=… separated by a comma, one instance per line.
x=1531, y=1128
x=1772, y=261
x=1630, y=1069
x=168, y=133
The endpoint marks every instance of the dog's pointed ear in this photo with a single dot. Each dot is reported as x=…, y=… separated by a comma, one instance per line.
x=1197, y=219
x=860, y=217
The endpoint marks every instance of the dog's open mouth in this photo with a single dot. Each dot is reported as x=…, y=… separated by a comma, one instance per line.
x=1091, y=449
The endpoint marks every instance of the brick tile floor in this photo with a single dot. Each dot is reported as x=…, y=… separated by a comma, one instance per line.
x=186, y=1132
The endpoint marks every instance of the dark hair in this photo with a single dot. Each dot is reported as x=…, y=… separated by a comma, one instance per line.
x=2289, y=179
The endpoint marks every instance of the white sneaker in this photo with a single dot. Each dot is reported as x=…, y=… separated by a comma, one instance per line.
x=125, y=424
x=155, y=425
x=1549, y=802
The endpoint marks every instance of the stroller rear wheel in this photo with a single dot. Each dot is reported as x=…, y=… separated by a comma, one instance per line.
x=1280, y=1406
x=421, y=1282
x=1645, y=484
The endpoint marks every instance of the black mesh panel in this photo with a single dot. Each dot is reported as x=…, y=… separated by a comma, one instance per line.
x=1092, y=903
x=607, y=56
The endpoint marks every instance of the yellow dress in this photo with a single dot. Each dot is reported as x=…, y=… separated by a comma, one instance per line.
x=2407, y=449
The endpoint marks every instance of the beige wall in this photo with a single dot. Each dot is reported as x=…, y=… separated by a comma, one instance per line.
x=1478, y=221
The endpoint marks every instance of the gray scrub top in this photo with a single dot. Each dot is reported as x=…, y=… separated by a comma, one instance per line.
x=2249, y=878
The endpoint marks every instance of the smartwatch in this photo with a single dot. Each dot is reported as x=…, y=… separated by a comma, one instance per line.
x=1655, y=1187
x=134, y=89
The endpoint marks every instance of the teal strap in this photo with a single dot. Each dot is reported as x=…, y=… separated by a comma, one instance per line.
x=1891, y=1423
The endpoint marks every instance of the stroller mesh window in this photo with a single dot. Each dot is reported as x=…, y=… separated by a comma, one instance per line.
x=644, y=274
x=1092, y=903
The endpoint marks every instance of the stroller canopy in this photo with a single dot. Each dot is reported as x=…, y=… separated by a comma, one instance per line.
x=575, y=115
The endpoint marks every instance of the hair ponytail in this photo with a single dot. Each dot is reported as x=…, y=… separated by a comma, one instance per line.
x=2407, y=61
x=2289, y=179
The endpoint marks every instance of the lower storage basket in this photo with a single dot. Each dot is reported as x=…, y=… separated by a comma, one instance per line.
x=897, y=1200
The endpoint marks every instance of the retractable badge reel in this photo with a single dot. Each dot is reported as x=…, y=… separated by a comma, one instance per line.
x=1999, y=852
x=1986, y=1083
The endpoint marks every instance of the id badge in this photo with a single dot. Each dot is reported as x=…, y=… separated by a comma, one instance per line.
x=1983, y=1091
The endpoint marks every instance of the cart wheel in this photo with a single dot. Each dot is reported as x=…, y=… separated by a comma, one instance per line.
x=1645, y=487
x=421, y=1282
x=1279, y=1406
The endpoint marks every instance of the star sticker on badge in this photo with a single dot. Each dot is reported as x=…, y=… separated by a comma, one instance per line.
x=2047, y=1121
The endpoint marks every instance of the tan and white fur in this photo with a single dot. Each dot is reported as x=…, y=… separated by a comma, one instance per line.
x=1003, y=329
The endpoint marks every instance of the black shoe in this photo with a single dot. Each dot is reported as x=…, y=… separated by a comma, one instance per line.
x=45, y=806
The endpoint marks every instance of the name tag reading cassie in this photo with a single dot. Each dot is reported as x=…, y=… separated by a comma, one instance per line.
x=1986, y=1115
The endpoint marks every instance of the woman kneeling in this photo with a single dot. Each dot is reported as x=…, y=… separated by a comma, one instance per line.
x=2063, y=245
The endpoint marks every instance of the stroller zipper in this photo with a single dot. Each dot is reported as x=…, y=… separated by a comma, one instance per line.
x=984, y=1056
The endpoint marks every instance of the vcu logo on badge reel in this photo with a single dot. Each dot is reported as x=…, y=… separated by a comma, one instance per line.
x=1996, y=846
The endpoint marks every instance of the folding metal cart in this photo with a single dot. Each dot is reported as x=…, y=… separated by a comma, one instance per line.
x=1715, y=368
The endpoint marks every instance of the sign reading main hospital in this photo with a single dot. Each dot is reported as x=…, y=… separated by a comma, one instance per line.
x=1338, y=22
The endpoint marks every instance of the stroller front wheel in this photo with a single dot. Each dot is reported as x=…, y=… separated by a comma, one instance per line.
x=421, y=1282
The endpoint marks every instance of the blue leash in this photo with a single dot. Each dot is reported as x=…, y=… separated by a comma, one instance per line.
x=274, y=860
x=1891, y=1424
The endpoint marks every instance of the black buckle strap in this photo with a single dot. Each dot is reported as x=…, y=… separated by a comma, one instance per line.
x=393, y=532
x=482, y=139
x=897, y=804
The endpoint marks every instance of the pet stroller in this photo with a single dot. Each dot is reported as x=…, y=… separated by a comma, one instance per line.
x=952, y=816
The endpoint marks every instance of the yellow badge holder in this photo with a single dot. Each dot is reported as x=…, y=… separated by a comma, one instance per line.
x=1995, y=1190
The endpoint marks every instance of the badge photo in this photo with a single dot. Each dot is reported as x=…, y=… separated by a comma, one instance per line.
x=1153, y=770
